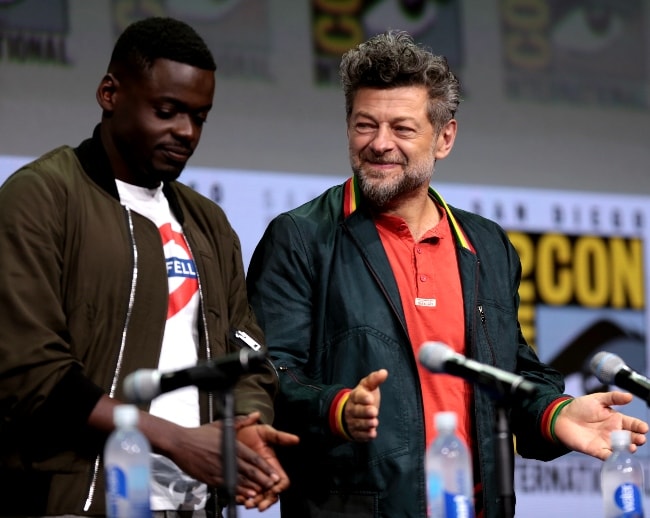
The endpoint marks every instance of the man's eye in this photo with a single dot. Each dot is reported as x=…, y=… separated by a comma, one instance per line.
x=200, y=120
x=403, y=130
x=165, y=114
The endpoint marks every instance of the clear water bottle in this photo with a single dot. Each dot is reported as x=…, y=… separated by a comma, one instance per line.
x=450, y=488
x=127, y=464
x=621, y=478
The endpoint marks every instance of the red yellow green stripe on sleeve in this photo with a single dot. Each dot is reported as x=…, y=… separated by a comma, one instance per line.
x=550, y=415
x=337, y=425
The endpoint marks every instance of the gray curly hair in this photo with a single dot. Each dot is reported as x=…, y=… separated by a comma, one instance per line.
x=393, y=59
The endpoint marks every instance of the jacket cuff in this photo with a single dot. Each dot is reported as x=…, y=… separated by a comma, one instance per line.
x=550, y=415
x=336, y=419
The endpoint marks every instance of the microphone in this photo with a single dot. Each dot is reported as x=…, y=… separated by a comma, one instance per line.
x=438, y=357
x=612, y=370
x=143, y=385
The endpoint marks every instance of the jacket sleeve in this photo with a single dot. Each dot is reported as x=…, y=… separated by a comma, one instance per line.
x=42, y=382
x=527, y=416
x=256, y=391
x=280, y=279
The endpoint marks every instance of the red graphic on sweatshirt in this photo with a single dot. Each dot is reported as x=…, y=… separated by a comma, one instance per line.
x=181, y=270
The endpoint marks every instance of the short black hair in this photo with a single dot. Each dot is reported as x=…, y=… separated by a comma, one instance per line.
x=147, y=40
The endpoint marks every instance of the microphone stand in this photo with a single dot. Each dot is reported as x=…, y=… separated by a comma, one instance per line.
x=223, y=387
x=502, y=396
x=229, y=447
x=212, y=378
x=505, y=460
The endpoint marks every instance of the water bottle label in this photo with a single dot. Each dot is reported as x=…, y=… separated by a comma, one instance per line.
x=119, y=503
x=628, y=499
x=458, y=506
x=116, y=482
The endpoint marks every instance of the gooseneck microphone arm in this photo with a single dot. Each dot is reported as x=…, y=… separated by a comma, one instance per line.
x=501, y=384
x=143, y=385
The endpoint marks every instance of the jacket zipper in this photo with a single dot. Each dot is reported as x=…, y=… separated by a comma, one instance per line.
x=485, y=330
x=292, y=375
x=118, y=366
x=208, y=352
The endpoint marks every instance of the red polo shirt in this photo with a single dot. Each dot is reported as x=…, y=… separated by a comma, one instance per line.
x=429, y=284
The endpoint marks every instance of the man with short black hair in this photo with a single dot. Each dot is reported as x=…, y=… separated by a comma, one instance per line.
x=109, y=265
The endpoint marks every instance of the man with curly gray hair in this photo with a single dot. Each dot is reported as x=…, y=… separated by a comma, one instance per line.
x=349, y=286
x=394, y=60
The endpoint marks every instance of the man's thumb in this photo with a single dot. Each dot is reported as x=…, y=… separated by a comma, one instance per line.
x=374, y=379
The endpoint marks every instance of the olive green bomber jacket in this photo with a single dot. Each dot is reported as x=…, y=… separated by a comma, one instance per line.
x=83, y=302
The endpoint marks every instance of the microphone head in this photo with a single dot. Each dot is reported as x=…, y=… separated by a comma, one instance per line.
x=433, y=355
x=605, y=366
x=142, y=386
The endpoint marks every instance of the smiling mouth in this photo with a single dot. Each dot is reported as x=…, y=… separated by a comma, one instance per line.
x=177, y=154
x=384, y=160
x=381, y=167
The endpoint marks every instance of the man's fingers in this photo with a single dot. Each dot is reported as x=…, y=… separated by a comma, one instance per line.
x=363, y=412
x=273, y=436
x=364, y=425
x=246, y=420
x=636, y=426
x=374, y=379
x=254, y=471
x=615, y=397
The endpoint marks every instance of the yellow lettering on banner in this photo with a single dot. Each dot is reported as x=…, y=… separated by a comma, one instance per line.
x=527, y=294
x=553, y=269
x=338, y=6
x=526, y=249
x=335, y=35
x=532, y=52
x=590, y=270
x=526, y=42
x=337, y=26
x=528, y=15
x=627, y=274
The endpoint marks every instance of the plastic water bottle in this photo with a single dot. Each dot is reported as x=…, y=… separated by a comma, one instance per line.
x=450, y=487
x=127, y=464
x=621, y=478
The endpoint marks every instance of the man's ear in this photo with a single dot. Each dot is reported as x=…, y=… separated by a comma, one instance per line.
x=106, y=92
x=446, y=139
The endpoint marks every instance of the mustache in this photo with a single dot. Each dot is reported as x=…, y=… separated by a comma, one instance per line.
x=384, y=159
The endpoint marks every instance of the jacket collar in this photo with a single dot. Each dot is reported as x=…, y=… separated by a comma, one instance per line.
x=95, y=163
x=352, y=199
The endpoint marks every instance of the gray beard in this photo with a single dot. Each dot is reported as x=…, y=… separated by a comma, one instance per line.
x=380, y=195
